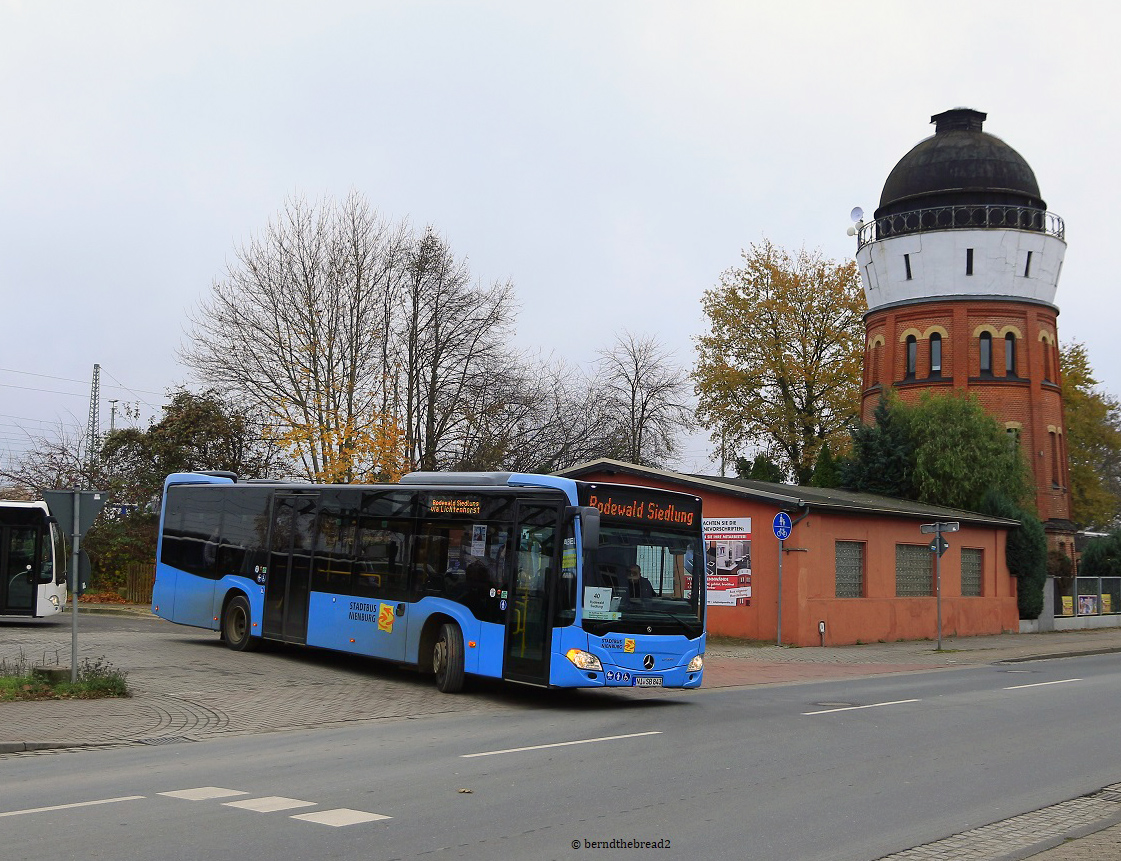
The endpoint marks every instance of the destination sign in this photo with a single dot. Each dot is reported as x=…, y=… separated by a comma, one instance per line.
x=639, y=505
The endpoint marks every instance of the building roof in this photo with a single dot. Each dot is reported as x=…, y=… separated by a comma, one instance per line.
x=790, y=497
x=959, y=165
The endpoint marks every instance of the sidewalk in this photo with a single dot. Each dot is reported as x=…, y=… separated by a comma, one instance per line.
x=187, y=687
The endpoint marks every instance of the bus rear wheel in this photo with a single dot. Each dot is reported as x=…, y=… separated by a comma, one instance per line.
x=236, y=625
x=447, y=659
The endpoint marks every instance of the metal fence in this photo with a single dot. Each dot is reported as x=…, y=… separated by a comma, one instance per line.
x=960, y=217
x=1088, y=596
x=140, y=577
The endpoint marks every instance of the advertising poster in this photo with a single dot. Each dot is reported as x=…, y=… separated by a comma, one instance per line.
x=728, y=561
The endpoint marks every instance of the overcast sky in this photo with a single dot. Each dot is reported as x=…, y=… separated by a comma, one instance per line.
x=610, y=158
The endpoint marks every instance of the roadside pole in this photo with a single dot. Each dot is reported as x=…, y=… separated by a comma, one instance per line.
x=939, y=546
x=78, y=508
x=781, y=526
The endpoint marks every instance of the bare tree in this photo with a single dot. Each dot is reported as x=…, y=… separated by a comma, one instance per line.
x=649, y=396
x=298, y=326
x=53, y=462
x=450, y=339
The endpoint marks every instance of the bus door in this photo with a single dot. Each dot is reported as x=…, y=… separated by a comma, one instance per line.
x=18, y=569
x=531, y=570
x=291, y=540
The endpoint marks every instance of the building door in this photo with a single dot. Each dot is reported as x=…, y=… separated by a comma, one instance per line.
x=532, y=569
x=291, y=541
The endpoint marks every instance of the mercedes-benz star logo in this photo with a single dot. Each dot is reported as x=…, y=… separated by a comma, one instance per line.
x=648, y=662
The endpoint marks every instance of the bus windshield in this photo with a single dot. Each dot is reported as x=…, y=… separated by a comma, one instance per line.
x=644, y=580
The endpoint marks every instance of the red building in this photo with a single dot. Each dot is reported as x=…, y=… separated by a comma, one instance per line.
x=960, y=267
x=858, y=563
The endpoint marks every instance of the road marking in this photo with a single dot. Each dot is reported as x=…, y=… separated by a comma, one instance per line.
x=70, y=806
x=857, y=708
x=559, y=744
x=340, y=817
x=203, y=793
x=269, y=804
x=1042, y=684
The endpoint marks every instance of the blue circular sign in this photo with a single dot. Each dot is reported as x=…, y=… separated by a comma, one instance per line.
x=782, y=526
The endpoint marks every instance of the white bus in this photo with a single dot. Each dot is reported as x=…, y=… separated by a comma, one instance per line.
x=32, y=561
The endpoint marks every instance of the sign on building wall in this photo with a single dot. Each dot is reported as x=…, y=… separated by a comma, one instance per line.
x=728, y=561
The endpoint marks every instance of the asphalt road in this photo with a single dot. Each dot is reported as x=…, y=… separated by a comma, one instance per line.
x=840, y=770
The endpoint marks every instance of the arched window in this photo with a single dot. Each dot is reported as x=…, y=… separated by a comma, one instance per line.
x=935, y=355
x=912, y=355
x=1047, y=362
x=1010, y=355
x=986, y=353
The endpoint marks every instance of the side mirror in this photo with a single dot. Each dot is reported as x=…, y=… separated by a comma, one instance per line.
x=589, y=524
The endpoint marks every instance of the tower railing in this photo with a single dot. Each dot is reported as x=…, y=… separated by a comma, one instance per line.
x=961, y=217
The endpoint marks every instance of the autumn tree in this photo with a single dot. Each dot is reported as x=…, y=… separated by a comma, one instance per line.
x=1093, y=425
x=196, y=431
x=780, y=367
x=646, y=395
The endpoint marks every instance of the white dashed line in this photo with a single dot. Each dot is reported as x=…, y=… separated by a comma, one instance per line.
x=336, y=818
x=559, y=744
x=71, y=806
x=857, y=708
x=1042, y=684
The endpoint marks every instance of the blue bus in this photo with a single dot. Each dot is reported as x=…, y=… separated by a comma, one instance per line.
x=531, y=578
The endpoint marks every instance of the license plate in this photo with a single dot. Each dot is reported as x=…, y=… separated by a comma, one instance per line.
x=648, y=681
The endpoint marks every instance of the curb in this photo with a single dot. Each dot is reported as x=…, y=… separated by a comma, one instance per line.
x=110, y=610
x=1056, y=655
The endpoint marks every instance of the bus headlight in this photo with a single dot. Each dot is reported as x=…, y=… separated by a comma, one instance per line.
x=696, y=665
x=584, y=660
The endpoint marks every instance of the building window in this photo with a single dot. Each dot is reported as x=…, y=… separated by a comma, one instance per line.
x=849, y=557
x=913, y=571
x=907, y=264
x=1013, y=436
x=1027, y=266
x=968, y=261
x=1046, y=361
x=912, y=356
x=986, y=353
x=1010, y=355
x=1054, y=460
x=972, y=560
x=935, y=355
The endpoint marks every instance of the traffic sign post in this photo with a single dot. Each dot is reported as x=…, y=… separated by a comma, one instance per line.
x=938, y=546
x=781, y=526
x=76, y=509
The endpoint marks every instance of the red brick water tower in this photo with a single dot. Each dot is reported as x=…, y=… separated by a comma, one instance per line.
x=960, y=266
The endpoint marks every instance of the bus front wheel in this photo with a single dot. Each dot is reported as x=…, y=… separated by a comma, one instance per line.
x=447, y=659
x=236, y=625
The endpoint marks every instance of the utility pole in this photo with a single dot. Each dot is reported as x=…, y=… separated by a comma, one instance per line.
x=93, y=429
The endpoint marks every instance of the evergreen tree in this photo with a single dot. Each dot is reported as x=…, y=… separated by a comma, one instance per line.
x=827, y=471
x=761, y=468
x=1102, y=557
x=883, y=456
x=1025, y=552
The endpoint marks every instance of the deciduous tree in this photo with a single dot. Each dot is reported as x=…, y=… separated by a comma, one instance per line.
x=647, y=396
x=1093, y=424
x=780, y=366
